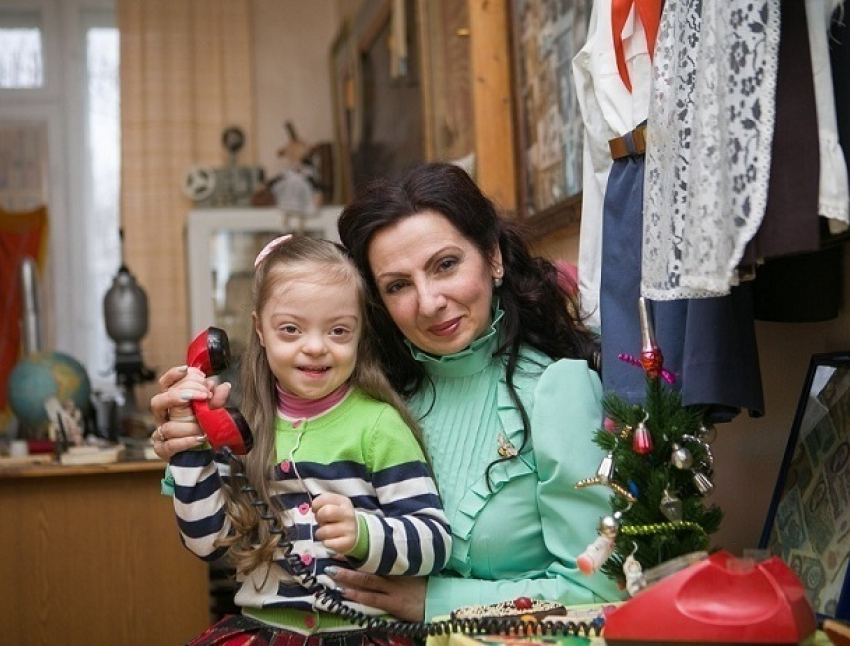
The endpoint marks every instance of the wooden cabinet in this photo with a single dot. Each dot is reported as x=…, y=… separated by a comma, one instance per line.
x=91, y=555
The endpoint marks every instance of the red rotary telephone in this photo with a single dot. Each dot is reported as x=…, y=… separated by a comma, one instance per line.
x=224, y=427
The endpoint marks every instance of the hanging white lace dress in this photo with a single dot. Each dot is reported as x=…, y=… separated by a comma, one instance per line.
x=711, y=118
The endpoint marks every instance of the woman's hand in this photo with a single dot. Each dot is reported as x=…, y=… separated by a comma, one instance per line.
x=177, y=428
x=401, y=596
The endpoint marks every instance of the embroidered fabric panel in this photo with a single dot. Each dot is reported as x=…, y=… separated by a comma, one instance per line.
x=711, y=123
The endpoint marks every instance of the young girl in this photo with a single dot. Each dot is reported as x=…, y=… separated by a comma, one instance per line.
x=334, y=451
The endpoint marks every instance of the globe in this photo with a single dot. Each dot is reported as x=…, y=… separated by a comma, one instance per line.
x=37, y=378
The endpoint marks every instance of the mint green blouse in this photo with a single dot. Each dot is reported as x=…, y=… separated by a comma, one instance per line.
x=523, y=537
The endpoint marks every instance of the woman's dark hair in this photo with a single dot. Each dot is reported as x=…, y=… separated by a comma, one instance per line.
x=538, y=310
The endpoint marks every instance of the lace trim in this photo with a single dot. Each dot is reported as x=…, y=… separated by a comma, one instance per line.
x=711, y=122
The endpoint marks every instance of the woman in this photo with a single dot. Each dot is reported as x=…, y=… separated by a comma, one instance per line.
x=477, y=335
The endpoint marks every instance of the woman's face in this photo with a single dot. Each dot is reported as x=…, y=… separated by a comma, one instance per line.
x=436, y=285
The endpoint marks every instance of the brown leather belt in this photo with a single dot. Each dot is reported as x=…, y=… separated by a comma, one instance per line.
x=620, y=146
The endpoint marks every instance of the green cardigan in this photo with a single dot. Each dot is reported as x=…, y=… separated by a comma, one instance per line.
x=523, y=538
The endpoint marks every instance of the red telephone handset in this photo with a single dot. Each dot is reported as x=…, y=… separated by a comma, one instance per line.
x=224, y=427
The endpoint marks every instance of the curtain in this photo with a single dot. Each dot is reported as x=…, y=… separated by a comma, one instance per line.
x=186, y=75
x=22, y=234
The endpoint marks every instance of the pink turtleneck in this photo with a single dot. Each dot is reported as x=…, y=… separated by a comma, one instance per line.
x=295, y=407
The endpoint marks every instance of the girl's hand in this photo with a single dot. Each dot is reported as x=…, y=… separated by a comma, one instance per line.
x=401, y=596
x=337, y=522
x=177, y=429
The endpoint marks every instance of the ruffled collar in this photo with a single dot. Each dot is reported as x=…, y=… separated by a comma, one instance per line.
x=473, y=358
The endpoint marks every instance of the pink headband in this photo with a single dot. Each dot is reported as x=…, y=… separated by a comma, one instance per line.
x=270, y=247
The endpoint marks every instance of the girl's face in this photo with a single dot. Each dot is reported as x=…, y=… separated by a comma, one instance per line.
x=436, y=285
x=310, y=330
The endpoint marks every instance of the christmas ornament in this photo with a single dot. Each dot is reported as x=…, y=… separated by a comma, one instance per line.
x=681, y=457
x=595, y=555
x=651, y=358
x=642, y=442
x=671, y=507
x=660, y=449
x=633, y=572
x=605, y=472
x=702, y=483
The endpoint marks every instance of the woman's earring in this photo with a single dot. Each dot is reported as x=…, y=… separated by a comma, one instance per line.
x=497, y=280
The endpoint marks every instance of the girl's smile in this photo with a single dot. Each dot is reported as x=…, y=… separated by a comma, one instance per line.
x=310, y=329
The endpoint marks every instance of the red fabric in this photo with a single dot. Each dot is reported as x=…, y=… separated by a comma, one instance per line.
x=649, y=12
x=21, y=234
x=240, y=630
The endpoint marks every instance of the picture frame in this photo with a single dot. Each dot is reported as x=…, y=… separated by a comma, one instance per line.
x=378, y=94
x=446, y=56
x=545, y=37
x=344, y=92
x=808, y=522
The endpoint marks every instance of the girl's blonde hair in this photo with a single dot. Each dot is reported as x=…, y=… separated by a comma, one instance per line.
x=317, y=261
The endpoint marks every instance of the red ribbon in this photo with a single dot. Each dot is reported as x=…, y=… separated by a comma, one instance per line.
x=649, y=12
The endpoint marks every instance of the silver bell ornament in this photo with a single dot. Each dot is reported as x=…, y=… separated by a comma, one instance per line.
x=707, y=432
x=671, y=507
x=605, y=472
x=609, y=526
x=702, y=483
x=681, y=457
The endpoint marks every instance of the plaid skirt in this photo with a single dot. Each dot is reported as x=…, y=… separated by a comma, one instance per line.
x=239, y=630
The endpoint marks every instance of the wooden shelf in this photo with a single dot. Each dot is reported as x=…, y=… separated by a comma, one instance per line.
x=54, y=469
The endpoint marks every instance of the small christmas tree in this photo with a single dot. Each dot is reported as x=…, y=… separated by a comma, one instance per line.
x=659, y=467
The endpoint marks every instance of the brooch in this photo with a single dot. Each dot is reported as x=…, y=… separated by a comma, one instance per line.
x=506, y=449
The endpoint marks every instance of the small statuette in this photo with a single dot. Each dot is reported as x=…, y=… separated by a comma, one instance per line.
x=634, y=574
x=506, y=449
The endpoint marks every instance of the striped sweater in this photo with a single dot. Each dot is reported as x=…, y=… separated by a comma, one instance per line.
x=361, y=449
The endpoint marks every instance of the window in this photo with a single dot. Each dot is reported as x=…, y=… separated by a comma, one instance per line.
x=21, y=55
x=102, y=159
x=59, y=79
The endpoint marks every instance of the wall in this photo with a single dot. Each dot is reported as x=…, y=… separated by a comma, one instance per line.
x=748, y=452
x=291, y=73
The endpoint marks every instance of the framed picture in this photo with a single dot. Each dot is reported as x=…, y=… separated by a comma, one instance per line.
x=448, y=119
x=377, y=92
x=545, y=36
x=344, y=77
x=808, y=523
